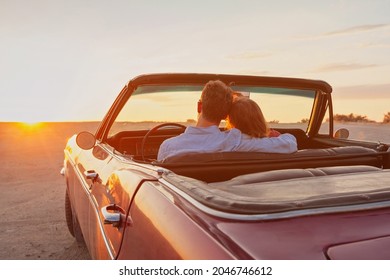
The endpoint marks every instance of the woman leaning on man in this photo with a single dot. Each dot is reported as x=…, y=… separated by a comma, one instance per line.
x=246, y=115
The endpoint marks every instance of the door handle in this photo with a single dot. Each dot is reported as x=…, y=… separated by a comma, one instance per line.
x=91, y=174
x=112, y=214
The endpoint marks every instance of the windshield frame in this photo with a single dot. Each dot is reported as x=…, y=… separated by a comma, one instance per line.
x=175, y=79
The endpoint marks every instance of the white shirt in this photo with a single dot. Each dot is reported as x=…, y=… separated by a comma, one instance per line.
x=212, y=139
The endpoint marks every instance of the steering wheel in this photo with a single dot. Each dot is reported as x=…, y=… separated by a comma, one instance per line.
x=153, y=130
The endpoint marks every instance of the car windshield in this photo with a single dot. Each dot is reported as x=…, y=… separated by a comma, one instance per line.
x=151, y=105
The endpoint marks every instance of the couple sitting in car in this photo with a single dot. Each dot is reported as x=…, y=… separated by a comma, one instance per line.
x=248, y=130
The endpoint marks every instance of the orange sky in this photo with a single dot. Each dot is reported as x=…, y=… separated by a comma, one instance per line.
x=68, y=60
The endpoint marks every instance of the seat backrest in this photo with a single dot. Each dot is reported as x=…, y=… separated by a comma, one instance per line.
x=214, y=167
x=301, y=154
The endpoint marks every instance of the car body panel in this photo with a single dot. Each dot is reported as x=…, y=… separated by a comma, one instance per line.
x=115, y=186
x=371, y=249
x=163, y=230
x=309, y=237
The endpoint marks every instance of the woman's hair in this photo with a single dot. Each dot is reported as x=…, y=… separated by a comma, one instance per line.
x=246, y=115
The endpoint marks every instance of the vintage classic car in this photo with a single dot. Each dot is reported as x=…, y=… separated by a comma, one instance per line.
x=328, y=200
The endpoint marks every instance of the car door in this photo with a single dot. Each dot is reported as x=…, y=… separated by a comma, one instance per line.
x=113, y=181
x=88, y=167
x=95, y=167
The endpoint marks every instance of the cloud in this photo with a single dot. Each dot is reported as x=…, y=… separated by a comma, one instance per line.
x=380, y=91
x=355, y=29
x=346, y=31
x=375, y=45
x=343, y=67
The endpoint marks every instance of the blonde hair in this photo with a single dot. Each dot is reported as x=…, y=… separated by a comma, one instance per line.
x=246, y=115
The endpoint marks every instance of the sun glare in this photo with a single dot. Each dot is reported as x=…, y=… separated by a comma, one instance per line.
x=31, y=125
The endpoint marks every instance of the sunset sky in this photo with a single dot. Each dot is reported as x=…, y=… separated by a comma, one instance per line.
x=67, y=60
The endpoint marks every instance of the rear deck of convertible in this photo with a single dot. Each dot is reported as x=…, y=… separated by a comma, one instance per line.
x=276, y=184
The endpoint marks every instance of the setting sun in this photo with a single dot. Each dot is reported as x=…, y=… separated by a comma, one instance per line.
x=30, y=125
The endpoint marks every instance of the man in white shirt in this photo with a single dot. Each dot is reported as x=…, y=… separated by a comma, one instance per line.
x=206, y=137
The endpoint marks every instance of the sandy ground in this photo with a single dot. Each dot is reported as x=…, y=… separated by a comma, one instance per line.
x=32, y=220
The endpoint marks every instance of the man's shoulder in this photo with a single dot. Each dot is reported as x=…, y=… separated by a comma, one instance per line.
x=172, y=139
x=178, y=138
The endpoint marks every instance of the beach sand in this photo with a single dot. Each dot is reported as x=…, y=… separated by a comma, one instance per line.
x=32, y=224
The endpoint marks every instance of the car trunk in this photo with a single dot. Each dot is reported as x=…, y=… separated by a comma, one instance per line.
x=346, y=235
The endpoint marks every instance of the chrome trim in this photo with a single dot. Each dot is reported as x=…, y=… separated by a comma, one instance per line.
x=276, y=216
x=111, y=218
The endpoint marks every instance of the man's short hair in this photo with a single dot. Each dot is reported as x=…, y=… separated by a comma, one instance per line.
x=217, y=100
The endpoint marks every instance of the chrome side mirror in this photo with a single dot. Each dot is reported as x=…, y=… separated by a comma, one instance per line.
x=342, y=133
x=85, y=140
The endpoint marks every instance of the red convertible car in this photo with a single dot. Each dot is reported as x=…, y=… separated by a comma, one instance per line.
x=328, y=200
